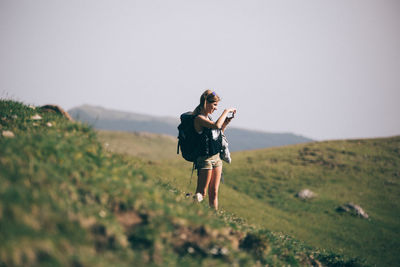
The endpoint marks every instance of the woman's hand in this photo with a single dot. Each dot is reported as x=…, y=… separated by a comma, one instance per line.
x=223, y=118
x=228, y=120
x=231, y=110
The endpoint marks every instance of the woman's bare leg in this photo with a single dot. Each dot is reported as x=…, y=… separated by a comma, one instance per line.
x=203, y=180
x=214, y=187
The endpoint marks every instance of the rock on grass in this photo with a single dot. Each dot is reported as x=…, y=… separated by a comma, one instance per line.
x=353, y=209
x=306, y=194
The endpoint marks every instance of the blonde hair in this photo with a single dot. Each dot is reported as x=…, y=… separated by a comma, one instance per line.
x=208, y=96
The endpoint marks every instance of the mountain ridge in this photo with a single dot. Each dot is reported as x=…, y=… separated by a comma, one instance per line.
x=240, y=139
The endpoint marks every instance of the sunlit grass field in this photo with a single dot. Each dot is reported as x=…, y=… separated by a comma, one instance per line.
x=365, y=172
x=261, y=187
x=67, y=200
x=142, y=145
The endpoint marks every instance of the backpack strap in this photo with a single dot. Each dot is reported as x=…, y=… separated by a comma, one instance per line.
x=191, y=176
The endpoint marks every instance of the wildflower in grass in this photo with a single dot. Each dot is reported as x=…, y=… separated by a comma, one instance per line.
x=102, y=214
x=36, y=117
x=8, y=134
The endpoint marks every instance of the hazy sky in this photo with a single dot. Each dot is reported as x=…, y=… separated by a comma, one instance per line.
x=322, y=69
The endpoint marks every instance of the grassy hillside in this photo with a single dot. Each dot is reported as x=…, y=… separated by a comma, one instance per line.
x=365, y=172
x=143, y=145
x=65, y=201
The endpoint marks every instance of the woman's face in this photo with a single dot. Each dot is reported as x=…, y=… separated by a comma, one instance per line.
x=211, y=107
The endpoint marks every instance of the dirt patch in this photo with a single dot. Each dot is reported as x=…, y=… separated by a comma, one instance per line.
x=204, y=240
x=129, y=219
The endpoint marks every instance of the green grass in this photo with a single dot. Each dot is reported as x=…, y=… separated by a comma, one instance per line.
x=143, y=145
x=365, y=172
x=66, y=201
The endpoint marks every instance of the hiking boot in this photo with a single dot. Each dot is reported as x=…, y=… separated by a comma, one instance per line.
x=198, y=197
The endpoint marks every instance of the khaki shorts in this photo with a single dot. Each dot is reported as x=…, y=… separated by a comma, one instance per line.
x=208, y=163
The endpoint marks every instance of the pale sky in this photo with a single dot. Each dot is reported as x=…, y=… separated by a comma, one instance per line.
x=322, y=69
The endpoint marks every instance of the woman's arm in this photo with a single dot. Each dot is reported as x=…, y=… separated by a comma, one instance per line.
x=226, y=122
x=201, y=121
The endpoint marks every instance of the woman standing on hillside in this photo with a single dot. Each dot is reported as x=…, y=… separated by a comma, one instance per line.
x=209, y=164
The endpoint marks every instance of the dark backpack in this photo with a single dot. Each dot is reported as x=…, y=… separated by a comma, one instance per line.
x=188, y=138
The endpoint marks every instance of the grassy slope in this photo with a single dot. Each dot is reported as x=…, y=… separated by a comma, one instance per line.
x=65, y=201
x=143, y=145
x=365, y=172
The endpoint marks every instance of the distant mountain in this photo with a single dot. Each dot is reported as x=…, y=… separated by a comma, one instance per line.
x=239, y=139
